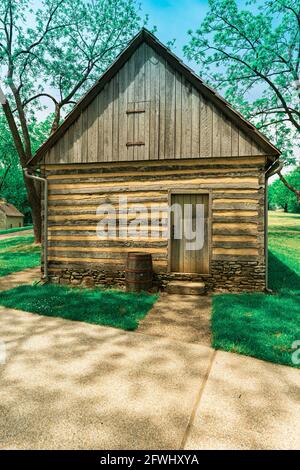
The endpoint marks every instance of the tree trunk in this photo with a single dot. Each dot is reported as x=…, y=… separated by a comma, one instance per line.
x=35, y=204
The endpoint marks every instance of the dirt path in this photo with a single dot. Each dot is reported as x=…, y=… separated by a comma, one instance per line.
x=19, y=278
x=4, y=236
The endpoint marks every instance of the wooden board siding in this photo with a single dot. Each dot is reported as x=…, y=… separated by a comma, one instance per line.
x=177, y=121
x=75, y=191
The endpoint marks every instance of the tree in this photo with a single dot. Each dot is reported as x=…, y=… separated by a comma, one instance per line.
x=12, y=185
x=51, y=54
x=258, y=49
x=281, y=197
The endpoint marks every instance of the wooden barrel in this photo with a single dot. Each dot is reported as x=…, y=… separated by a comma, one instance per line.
x=138, y=272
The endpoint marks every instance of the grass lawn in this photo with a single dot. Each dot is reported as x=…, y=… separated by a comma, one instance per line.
x=101, y=307
x=260, y=325
x=18, y=253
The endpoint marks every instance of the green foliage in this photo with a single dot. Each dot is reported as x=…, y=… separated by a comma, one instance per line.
x=17, y=254
x=255, y=52
x=13, y=189
x=64, y=48
x=281, y=197
x=260, y=325
x=101, y=307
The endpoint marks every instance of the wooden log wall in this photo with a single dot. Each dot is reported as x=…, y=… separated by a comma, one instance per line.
x=149, y=111
x=236, y=186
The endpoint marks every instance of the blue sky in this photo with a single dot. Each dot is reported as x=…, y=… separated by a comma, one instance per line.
x=174, y=18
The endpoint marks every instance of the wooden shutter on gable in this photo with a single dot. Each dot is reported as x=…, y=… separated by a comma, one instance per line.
x=138, y=129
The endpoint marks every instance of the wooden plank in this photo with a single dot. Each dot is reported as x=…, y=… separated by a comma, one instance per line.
x=216, y=131
x=100, y=197
x=60, y=151
x=84, y=138
x=101, y=117
x=195, y=145
x=77, y=139
x=92, y=131
x=109, y=249
x=91, y=228
x=234, y=200
x=178, y=116
x=248, y=244
x=204, y=144
x=186, y=127
x=157, y=186
x=148, y=205
x=151, y=172
x=226, y=137
x=130, y=101
x=95, y=238
x=244, y=144
x=240, y=161
x=122, y=117
x=170, y=113
x=139, y=99
x=226, y=226
x=108, y=121
x=90, y=263
x=162, y=108
x=147, y=117
x=236, y=251
x=234, y=140
x=93, y=216
x=239, y=181
x=235, y=238
x=234, y=213
x=115, y=118
x=139, y=128
x=154, y=105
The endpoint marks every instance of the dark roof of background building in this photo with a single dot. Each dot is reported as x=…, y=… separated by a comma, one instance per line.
x=10, y=210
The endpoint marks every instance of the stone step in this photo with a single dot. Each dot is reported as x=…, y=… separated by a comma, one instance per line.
x=186, y=288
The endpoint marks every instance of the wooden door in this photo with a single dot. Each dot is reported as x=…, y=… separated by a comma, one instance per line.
x=188, y=256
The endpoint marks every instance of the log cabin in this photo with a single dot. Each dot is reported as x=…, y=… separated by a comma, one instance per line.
x=152, y=131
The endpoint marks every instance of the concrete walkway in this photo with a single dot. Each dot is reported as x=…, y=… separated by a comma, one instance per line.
x=182, y=317
x=71, y=385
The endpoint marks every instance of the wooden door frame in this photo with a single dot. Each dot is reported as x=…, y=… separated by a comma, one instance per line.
x=207, y=192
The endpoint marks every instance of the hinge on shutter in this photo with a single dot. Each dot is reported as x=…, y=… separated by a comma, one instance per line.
x=132, y=144
x=135, y=111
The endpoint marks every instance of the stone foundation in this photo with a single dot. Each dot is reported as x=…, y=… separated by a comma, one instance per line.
x=226, y=276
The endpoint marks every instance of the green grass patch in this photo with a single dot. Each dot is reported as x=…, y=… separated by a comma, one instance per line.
x=261, y=325
x=16, y=229
x=101, y=307
x=18, y=253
